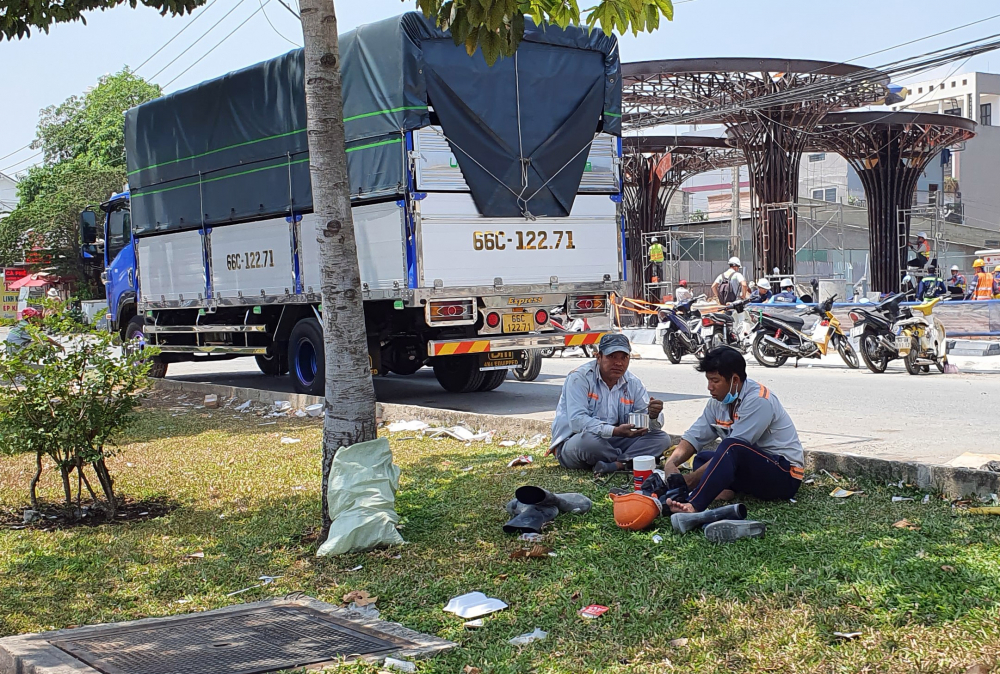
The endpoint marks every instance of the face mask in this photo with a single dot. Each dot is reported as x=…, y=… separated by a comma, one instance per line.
x=732, y=395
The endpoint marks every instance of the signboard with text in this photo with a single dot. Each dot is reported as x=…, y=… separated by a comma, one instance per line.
x=8, y=298
x=12, y=274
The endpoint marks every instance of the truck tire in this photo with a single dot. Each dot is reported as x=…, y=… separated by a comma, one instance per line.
x=531, y=368
x=492, y=380
x=136, y=330
x=459, y=374
x=273, y=366
x=306, y=360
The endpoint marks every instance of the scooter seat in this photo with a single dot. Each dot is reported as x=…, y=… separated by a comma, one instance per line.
x=795, y=321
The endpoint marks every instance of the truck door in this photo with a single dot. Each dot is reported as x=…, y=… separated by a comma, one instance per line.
x=119, y=259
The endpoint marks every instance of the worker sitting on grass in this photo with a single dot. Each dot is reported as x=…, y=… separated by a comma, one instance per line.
x=760, y=453
x=591, y=430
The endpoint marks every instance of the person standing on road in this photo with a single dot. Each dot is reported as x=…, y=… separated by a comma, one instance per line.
x=591, y=429
x=730, y=286
x=983, y=285
x=760, y=453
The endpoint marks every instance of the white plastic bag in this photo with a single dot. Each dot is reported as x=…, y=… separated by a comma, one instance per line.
x=362, y=499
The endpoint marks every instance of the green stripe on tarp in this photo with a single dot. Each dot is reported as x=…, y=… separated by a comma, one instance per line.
x=385, y=112
x=212, y=180
x=379, y=144
x=221, y=149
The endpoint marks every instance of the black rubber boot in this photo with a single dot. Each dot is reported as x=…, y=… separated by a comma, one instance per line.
x=727, y=531
x=527, y=518
x=566, y=503
x=685, y=522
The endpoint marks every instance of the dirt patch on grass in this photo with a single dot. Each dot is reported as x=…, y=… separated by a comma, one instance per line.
x=58, y=516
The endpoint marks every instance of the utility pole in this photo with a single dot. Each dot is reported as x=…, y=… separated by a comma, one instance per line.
x=734, y=223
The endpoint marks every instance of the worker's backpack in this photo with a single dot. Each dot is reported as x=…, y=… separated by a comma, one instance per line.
x=726, y=292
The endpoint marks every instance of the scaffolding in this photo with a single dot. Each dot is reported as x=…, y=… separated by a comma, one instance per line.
x=679, y=245
x=933, y=218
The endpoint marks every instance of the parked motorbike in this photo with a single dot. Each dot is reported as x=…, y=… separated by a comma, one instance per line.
x=719, y=328
x=873, y=329
x=558, y=323
x=778, y=338
x=682, y=334
x=920, y=338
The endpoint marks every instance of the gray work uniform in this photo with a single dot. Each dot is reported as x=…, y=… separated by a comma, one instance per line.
x=587, y=414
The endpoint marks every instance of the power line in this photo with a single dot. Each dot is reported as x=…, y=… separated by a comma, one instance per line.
x=190, y=46
x=272, y=25
x=218, y=43
x=16, y=151
x=294, y=13
x=176, y=35
x=37, y=154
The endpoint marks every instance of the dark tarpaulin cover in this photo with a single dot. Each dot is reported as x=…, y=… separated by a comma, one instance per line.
x=235, y=148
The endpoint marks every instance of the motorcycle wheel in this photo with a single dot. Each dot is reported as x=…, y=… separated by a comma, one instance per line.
x=872, y=353
x=765, y=354
x=848, y=353
x=940, y=363
x=911, y=358
x=672, y=347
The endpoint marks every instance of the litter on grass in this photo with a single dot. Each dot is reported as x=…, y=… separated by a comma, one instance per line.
x=461, y=433
x=359, y=597
x=678, y=643
x=531, y=538
x=399, y=426
x=534, y=552
x=523, y=460
x=847, y=635
x=593, y=611
x=474, y=605
x=357, y=568
x=290, y=441
x=926, y=499
x=532, y=442
x=843, y=493
x=657, y=538
x=282, y=405
x=244, y=407
x=314, y=410
x=900, y=499
x=507, y=443
x=525, y=639
x=400, y=665
x=988, y=510
x=473, y=624
x=906, y=524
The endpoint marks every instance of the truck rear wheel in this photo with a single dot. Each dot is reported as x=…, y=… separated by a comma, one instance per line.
x=273, y=366
x=492, y=380
x=135, y=330
x=459, y=374
x=306, y=360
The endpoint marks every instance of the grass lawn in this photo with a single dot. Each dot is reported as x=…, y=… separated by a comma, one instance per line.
x=924, y=600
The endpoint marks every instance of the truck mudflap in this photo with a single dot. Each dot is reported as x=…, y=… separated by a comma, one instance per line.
x=456, y=347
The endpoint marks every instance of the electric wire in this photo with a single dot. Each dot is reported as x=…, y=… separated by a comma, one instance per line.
x=291, y=42
x=16, y=151
x=176, y=35
x=37, y=154
x=191, y=46
x=218, y=44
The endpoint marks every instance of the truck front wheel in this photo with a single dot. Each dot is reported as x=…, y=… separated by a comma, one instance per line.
x=459, y=374
x=135, y=332
x=306, y=360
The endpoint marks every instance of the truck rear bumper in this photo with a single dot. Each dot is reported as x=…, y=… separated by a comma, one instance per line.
x=456, y=347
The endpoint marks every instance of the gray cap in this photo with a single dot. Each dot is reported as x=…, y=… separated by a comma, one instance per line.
x=613, y=342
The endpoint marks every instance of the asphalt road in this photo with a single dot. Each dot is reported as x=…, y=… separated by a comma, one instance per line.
x=932, y=418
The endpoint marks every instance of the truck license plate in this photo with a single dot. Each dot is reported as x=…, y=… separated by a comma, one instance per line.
x=518, y=323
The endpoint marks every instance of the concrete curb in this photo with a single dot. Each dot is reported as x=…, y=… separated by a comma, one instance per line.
x=951, y=481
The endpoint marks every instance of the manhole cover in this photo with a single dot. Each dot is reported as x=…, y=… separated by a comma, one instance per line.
x=242, y=642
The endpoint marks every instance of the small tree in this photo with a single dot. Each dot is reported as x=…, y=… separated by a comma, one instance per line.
x=70, y=402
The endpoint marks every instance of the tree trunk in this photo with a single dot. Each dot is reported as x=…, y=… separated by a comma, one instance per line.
x=350, y=397
x=107, y=486
x=67, y=491
x=34, y=481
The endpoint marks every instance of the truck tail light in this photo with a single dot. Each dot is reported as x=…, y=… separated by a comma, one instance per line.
x=541, y=317
x=493, y=319
x=580, y=305
x=451, y=312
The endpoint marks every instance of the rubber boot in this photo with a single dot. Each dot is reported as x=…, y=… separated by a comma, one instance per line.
x=566, y=503
x=685, y=522
x=727, y=531
x=527, y=518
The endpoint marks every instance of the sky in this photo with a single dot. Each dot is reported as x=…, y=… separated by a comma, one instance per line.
x=45, y=69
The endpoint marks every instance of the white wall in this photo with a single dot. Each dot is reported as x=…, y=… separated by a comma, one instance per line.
x=978, y=169
x=8, y=193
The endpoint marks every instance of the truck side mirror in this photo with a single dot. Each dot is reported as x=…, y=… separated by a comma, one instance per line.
x=88, y=227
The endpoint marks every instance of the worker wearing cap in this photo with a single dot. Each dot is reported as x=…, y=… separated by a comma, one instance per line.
x=730, y=285
x=656, y=257
x=762, y=292
x=682, y=293
x=591, y=430
x=787, y=294
x=956, y=280
x=983, y=284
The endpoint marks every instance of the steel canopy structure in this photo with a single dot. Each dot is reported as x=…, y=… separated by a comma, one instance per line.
x=889, y=151
x=653, y=169
x=769, y=107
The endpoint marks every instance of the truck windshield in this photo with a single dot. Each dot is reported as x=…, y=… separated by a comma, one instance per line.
x=119, y=232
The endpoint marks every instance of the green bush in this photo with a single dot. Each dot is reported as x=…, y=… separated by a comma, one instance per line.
x=70, y=401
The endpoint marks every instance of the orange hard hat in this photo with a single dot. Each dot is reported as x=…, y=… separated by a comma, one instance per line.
x=635, y=511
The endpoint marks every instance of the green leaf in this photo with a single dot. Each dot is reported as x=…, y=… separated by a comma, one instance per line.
x=472, y=41
x=491, y=44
